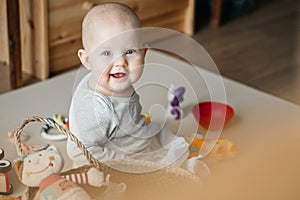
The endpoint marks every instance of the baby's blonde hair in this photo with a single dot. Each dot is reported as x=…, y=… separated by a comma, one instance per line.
x=108, y=10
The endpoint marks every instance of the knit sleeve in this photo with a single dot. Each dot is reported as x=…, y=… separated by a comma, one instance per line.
x=93, y=122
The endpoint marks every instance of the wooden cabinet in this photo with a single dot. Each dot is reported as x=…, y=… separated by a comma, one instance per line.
x=51, y=29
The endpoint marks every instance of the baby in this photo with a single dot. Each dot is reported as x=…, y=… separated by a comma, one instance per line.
x=105, y=112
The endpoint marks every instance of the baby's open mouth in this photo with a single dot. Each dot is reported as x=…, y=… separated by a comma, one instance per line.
x=118, y=75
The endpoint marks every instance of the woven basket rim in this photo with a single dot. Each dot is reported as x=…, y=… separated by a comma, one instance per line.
x=104, y=166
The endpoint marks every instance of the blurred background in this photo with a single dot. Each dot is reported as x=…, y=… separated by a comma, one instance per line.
x=255, y=42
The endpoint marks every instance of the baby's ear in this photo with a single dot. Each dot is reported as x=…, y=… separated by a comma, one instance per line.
x=84, y=58
x=146, y=46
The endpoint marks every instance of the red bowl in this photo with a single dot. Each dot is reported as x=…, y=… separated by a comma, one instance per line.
x=212, y=115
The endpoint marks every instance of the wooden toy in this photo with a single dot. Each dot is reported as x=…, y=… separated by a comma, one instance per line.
x=60, y=120
x=5, y=166
x=3, y=197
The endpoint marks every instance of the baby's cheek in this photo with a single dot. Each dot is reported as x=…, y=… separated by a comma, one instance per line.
x=136, y=74
x=138, y=57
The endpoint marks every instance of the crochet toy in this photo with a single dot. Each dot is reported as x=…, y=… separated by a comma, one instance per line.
x=41, y=168
x=175, y=97
x=5, y=166
x=222, y=149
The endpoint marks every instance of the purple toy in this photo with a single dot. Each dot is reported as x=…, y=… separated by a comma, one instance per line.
x=175, y=97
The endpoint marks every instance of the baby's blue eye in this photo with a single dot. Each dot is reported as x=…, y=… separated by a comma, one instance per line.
x=130, y=51
x=106, y=53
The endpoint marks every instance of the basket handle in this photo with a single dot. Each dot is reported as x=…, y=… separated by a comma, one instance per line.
x=62, y=130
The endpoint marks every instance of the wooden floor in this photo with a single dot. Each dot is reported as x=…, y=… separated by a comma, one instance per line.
x=260, y=49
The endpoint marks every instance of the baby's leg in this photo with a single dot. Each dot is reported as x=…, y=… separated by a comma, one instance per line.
x=196, y=166
x=177, y=148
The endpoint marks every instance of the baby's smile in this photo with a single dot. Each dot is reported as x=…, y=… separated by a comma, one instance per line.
x=118, y=75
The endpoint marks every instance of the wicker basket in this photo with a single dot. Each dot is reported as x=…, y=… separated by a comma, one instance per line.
x=160, y=182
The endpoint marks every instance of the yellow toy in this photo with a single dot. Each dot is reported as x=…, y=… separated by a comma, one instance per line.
x=147, y=117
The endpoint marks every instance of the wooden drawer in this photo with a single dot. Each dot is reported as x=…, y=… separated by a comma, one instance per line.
x=65, y=25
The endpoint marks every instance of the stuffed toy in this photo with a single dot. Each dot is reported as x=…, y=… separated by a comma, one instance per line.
x=223, y=148
x=41, y=168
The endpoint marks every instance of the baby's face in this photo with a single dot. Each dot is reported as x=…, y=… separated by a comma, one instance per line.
x=116, y=62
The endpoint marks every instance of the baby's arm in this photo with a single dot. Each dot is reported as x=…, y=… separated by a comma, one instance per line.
x=92, y=126
x=100, y=152
x=95, y=133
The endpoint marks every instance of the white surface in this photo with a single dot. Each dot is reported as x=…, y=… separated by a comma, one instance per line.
x=265, y=129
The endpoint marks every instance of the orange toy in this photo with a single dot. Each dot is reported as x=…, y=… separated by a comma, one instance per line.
x=147, y=117
x=223, y=148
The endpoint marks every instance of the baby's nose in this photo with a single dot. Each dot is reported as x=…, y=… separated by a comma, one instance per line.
x=120, y=61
